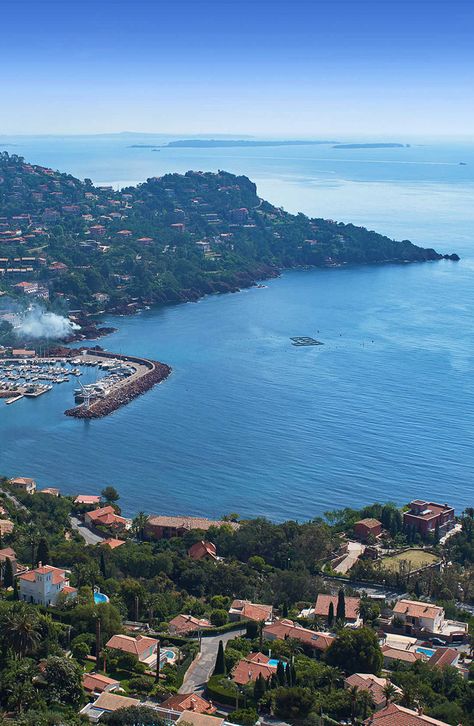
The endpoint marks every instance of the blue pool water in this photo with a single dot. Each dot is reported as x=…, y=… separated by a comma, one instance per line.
x=99, y=597
x=273, y=662
x=167, y=654
x=426, y=651
x=249, y=423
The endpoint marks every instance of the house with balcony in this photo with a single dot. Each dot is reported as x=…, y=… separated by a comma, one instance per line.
x=44, y=585
x=142, y=647
x=24, y=484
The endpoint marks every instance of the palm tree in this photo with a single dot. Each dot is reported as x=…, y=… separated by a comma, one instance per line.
x=389, y=691
x=332, y=677
x=408, y=696
x=366, y=701
x=138, y=525
x=20, y=629
x=354, y=698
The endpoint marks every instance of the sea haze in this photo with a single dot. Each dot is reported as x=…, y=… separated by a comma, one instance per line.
x=248, y=422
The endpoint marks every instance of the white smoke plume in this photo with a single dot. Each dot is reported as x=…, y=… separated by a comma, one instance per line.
x=36, y=323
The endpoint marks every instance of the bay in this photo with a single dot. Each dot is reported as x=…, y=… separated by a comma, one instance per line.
x=249, y=423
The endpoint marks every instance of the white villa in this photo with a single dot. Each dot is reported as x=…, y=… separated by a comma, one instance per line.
x=44, y=585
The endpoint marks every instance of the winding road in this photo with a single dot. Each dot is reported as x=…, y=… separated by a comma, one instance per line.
x=202, y=666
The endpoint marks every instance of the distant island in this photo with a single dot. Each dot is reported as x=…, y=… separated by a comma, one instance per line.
x=232, y=143
x=370, y=146
x=173, y=238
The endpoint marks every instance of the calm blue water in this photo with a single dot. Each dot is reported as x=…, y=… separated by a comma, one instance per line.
x=249, y=423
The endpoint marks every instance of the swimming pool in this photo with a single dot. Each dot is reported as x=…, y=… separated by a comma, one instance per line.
x=273, y=662
x=99, y=598
x=426, y=651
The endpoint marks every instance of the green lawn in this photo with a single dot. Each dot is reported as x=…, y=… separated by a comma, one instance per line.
x=416, y=558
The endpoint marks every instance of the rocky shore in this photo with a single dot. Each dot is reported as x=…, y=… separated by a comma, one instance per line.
x=156, y=373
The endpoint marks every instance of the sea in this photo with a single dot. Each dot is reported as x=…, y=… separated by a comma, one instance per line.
x=247, y=422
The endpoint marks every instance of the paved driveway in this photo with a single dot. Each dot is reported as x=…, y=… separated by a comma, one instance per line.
x=89, y=537
x=202, y=666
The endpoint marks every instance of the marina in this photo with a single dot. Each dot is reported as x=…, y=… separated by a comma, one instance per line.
x=119, y=379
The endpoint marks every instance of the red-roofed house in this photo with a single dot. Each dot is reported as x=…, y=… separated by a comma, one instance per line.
x=97, y=683
x=188, y=702
x=113, y=543
x=44, y=585
x=104, y=516
x=203, y=551
x=282, y=629
x=426, y=516
x=142, y=647
x=321, y=608
x=24, y=483
x=185, y=624
x=88, y=500
x=397, y=655
x=249, y=669
x=395, y=715
x=444, y=657
x=365, y=528
x=373, y=684
x=246, y=610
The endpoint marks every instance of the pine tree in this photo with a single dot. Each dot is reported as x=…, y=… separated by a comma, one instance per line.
x=331, y=615
x=219, y=668
x=42, y=552
x=8, y=573
x=341, y=606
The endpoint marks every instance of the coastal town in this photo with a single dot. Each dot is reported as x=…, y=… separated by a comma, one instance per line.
x=364, y=617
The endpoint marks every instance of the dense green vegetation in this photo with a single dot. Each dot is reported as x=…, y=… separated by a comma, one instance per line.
x=171, y=238
x=44, y=651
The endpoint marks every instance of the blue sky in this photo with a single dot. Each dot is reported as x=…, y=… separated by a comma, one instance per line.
x=301, y=68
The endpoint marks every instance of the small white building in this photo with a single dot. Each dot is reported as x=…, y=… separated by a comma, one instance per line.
x=44, y=585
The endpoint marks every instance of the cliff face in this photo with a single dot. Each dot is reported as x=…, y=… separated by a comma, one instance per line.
x=171, y=238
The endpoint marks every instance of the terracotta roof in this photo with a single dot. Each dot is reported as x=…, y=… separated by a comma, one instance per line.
x=369, y=682
x=68, y=590
x=105, y=515
x=188, y=702
x=249, y=669
x=97, y=682
x=443, y=657
x=395, y=715
x=199, y=719
x=369, y=523
x=187, y=523
x=188, y=623
x=58, y=575
x=415, y=609
x=202, y=549
x=282, y=629
x=321, y=609
x=127, y=644
x=431, y=510
x=87, y=499
x=112, y=702
x=252, y=610
x=22, y=480
x=7, y=552
x=407, y=656
x=113, y=543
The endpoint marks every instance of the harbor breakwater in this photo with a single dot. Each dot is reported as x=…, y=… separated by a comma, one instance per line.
x=154, y=372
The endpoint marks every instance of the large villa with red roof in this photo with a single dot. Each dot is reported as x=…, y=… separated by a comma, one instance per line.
x=44, y=585
x=142, y=647
x=282, y=629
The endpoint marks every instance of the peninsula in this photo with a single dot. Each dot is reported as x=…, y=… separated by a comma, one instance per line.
x=90, y=249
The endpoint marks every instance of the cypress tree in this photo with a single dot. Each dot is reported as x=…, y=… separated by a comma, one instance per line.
x=259, y=688
x=280, y=673
x=15, y=589
x=331, y=614
x=42, y=552
x=289, y=676
x=103, y=565
x=293, y=674
x=274, y=681
x=219, y=668
x=341, y=606
x=8, y=573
